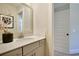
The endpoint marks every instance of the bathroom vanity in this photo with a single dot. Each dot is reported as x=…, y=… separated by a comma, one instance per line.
x=27, y=46
x=22, y=25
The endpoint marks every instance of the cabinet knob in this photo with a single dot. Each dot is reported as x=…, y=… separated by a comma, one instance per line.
x=67, y=34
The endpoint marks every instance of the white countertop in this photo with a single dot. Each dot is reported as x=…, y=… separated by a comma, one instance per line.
x=19, y=42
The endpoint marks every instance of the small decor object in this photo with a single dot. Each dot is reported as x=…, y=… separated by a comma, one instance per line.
x=7, y=37
x=8, y=21
x=5, y=23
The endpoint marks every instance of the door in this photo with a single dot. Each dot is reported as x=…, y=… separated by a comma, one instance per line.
x=61, y=30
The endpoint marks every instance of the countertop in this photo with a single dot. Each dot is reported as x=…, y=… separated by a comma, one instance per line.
x=19, y=42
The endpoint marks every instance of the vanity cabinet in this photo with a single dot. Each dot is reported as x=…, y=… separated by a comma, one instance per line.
x=33, y=49
x=29, y=49
x=16, y=52
x=32, y=53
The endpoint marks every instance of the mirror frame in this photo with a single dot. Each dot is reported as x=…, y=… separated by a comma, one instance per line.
x=31, y=16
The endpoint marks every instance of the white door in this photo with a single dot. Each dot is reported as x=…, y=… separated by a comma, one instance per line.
x=61, y=28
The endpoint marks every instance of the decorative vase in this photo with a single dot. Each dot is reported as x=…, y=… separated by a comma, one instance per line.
x=7, y=37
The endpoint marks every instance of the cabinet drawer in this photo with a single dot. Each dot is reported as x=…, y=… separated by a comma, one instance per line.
x=16, y=52
x=28, y=48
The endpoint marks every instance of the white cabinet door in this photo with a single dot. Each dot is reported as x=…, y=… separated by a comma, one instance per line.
x=41, y=50
x=35, y=49
x=16, y=52
x=37, y=52
x=32, y=53
x=29, y=48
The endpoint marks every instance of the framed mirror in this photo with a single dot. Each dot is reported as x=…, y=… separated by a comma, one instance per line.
x=25, y=19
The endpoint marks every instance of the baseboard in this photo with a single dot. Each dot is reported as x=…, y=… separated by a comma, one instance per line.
x=74, y=51
x=58, y=53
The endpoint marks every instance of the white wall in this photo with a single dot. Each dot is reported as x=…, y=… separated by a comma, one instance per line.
x=40, y=17
x=42, y=23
